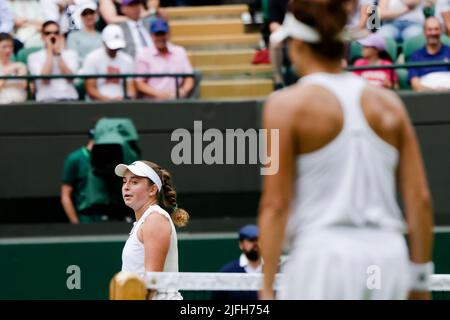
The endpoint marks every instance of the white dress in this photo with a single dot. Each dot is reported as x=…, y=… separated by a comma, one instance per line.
x=345, y=226
x=133, y=254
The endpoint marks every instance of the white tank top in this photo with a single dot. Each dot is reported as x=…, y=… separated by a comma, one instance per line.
x=133, y=251
x=350, y=182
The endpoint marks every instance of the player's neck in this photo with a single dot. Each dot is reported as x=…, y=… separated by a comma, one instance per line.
x=140, y=212
x=315, y=66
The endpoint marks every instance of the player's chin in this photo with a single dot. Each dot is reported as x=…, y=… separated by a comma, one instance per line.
x=128, y=201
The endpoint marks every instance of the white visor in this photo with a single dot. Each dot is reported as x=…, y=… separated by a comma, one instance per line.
x=293, y=28
x=140, y=169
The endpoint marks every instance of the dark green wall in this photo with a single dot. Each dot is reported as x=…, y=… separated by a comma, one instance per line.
x=35, y=138
x=38, y=271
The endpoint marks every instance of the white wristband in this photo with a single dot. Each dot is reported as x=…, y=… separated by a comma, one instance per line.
x=420, y=275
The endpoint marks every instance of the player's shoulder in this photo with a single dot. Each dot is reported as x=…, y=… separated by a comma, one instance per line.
x=385, y=99
x=291, y=101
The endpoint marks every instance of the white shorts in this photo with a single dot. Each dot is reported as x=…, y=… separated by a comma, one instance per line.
x=347, y=263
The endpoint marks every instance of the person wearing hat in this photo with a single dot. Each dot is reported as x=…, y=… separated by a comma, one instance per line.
x=249, y=261
x=152, y=243
x=374, y=54
x=86, y=39
x=163, y=57
x=109, y=59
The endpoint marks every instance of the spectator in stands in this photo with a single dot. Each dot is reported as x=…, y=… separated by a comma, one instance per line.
x=6, y=18
x=87, y=39
x=109, y=59
x=11, y=90
x=134, y=29
x=74, y=181
x=249, y=261
x=111, y=12
x=442, y=12
x=53, y=60
x=28, y=19
x=59, y=11
x=401, y=19
x=7, y=24
x=431, y=78
x=374, y=54
x=359, y=13
x=163, y=57
x=278, y=54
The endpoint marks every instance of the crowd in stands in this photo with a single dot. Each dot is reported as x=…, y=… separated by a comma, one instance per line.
x=382, y=33
x=132, y=36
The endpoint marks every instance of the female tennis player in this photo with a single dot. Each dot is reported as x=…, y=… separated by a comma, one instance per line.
x=345, y=148
x=152, y=244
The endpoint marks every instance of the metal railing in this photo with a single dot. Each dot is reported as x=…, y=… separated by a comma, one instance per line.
x=408, y=65
x=29, y=78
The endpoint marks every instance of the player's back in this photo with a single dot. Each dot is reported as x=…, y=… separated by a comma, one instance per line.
x=348, y=140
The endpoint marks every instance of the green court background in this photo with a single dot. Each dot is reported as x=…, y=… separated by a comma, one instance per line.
x=38, y=271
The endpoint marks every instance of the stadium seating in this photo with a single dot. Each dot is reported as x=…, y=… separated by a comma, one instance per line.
x=221, y=50
x=402, y=74
x=22, y=55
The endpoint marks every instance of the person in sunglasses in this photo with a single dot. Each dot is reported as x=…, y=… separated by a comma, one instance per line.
x=87, y=39
x=54, y=59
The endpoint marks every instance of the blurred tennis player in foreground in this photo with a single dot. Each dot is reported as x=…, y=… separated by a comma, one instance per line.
x=345, y=147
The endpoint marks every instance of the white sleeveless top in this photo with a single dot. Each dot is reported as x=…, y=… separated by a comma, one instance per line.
x=350, y=182
x=133, y=258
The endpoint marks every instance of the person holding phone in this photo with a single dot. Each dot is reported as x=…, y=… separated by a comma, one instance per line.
x=54, y=59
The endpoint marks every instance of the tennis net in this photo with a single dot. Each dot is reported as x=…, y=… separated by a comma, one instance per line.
x=205, y=285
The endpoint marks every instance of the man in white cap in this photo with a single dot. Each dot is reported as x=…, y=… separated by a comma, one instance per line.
x=109, y=60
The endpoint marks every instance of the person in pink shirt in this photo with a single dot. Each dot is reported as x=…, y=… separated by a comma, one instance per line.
x=374, y=53
x=163, y=57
